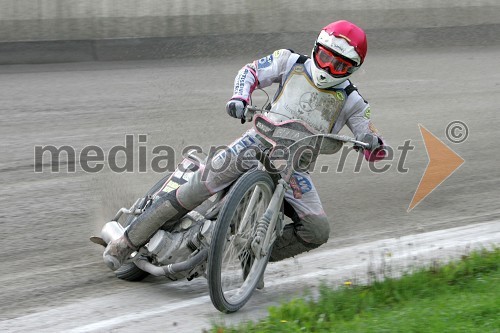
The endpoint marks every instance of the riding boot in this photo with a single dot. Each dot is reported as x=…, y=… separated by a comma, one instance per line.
x=290, y=244
x=165, y=208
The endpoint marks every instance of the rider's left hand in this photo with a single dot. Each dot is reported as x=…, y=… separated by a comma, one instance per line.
x=236, y=108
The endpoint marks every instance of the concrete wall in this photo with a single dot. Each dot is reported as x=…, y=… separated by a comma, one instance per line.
x=38, y=31
x=35, y=20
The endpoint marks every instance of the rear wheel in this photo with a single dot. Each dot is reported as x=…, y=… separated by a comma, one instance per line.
x=130, y=271
x=233, y=270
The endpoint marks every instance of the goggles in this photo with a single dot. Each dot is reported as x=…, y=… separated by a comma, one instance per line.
x=333, y=62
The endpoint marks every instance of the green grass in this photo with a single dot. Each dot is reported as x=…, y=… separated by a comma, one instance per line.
x=462, y=296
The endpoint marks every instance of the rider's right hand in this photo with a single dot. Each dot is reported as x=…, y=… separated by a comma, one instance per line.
x=236, y=108
x=371, y=139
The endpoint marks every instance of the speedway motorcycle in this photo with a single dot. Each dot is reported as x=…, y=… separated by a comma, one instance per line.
x=228, y=239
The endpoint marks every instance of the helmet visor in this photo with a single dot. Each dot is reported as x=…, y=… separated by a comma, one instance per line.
x=333, y=62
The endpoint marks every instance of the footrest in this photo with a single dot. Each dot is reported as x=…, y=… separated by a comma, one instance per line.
x=98, y=241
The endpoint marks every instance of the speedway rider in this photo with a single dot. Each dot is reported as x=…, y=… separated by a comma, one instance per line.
x=315, y=90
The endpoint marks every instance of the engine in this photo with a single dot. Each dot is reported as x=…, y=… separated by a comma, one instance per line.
x=177, y=246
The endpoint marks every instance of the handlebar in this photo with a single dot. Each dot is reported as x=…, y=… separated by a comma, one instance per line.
x=250, y=111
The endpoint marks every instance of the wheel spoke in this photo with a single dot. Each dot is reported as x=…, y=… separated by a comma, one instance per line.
x=237, y=255
x=249, y=208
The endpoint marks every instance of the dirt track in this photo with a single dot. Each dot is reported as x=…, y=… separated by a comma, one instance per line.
x=46, y=218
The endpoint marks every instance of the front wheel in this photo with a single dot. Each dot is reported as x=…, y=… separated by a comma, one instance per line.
x=233, y=270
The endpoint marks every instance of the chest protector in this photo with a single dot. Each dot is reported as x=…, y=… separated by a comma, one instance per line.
x=300, y=99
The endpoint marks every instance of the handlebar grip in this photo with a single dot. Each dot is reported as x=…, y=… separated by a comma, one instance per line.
x=248, y=114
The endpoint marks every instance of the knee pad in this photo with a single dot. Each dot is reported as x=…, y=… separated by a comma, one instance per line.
x=289, y=245
x=314, y=229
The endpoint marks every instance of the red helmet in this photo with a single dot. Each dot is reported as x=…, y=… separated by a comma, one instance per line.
x=338, y=52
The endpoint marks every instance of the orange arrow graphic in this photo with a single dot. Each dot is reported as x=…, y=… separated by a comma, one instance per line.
x=442, y=163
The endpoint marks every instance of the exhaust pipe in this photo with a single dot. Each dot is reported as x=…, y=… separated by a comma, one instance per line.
x=112, y=231
x=172, y=269
x=109, y=232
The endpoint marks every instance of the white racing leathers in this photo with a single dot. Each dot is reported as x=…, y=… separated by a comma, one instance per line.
x=297, y=98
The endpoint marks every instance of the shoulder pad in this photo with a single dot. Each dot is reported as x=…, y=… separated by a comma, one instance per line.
x=352, y=88
x=302, y=59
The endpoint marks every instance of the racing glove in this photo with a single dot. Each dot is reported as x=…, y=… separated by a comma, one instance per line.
x=369, y=138
x=236, y=108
